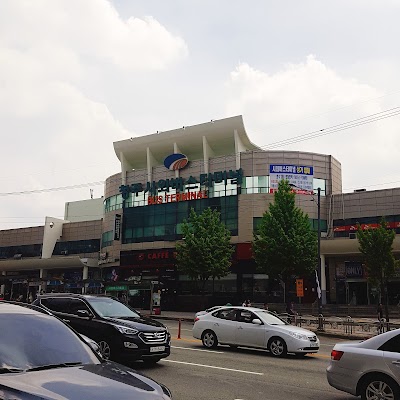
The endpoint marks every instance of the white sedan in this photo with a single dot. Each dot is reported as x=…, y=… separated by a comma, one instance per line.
x=253, y=327
x=370, y=368
x=208, y=310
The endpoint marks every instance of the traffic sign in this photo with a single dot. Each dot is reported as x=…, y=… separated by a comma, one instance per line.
x=299, y=288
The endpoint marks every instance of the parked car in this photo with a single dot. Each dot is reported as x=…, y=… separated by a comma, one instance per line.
x=253, y=327
x=42, y=358
x=122, y=334
x=370, y=369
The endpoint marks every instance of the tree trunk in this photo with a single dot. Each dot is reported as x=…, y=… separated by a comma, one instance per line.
x=387, y=304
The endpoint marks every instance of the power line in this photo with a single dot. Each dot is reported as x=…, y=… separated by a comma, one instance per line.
x=307, y=136
x=335, y=128
x=56, y=189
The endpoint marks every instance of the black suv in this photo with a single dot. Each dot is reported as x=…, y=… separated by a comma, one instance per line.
x=121, y=332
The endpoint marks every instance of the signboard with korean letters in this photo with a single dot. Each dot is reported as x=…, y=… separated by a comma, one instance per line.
x=299, y=176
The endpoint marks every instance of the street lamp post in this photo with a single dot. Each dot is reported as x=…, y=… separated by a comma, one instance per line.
x=320, y=321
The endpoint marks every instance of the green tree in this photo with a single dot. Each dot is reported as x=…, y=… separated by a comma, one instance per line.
x=376, y=247
x=205, y=251
x=284, y=243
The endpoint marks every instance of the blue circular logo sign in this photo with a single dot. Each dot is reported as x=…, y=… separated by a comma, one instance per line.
x=176, y=161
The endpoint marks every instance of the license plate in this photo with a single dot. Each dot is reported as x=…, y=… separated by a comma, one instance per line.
x=156, y=349
x=313, y=344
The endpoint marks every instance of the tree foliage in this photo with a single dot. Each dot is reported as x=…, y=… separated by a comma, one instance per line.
x=205, y=251
x=284, y=243
x=376, y=246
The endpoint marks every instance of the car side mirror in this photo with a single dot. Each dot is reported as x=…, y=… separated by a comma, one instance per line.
x=84, y=314
x=92, y=344
x=256, y=321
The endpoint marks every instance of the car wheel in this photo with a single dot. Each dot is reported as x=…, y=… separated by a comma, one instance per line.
x=379, y=387
x=105, y=349
x=209, y=339
x=277, y=347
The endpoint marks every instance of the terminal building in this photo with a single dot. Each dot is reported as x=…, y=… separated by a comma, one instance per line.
x=128, y=243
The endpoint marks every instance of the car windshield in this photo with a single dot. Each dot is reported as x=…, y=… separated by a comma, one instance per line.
x=270, y=319
x=36, y=340
x=107, y=307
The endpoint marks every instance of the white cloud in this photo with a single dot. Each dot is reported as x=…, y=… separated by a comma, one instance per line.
x=304, y=97
x=54, y=133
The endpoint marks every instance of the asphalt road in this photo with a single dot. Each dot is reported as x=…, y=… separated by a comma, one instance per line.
x=193, y=372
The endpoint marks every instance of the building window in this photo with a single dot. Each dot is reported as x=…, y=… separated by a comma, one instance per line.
x=28, y=250
x=113, y=203
x=255, y=184
x=77, y=247
x=107, y=239
x=345, y=227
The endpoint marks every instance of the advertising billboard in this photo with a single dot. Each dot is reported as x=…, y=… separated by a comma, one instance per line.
x=300, y=176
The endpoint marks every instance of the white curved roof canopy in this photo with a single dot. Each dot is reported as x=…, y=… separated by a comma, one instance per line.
x=220, y=137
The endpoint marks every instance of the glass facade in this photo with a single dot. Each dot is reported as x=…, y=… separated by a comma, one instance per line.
x=77, y=247
x=164, y=221
x=250, y=185
x=28, y=250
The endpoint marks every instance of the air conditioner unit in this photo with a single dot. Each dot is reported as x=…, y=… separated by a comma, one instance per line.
x=353, y=235
x=64, y=252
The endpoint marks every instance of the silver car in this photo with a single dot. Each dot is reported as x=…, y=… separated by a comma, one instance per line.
x=370, y=369
x=253, y=327
x=208, y=310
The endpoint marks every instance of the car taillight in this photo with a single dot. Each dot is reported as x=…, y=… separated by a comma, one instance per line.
x=196, y=319
x=336, y=355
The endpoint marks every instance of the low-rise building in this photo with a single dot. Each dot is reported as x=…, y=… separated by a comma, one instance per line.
x=132, y=239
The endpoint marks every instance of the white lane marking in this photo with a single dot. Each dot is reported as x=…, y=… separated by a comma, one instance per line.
x=212, y=366
x=189, y=348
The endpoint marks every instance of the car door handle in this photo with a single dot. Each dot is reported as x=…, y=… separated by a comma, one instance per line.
x=216, y=324
x=396, y=362
x=66, y=320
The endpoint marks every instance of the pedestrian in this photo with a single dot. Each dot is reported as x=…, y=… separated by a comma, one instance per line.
x=266, y=306
x=248, y=303
x=290, y=311
x=379, y=312
x=244, y=304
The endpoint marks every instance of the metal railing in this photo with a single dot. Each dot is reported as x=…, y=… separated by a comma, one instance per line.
x=346, y=325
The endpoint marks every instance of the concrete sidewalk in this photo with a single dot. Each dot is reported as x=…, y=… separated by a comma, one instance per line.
x=335, y=329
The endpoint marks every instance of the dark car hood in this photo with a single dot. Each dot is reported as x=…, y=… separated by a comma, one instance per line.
x=142, y=323
x=100, y=382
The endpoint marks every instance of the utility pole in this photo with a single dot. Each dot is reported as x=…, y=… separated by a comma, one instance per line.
x=319, y=272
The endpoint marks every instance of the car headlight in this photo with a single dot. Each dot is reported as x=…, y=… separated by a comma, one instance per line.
x=297, y=335
x=125, y=330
